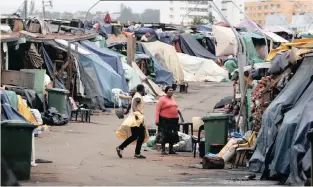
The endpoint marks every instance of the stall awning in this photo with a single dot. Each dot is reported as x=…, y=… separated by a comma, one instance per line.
x=275, y=38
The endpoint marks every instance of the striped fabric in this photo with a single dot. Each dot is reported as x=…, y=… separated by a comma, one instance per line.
x=34, y=56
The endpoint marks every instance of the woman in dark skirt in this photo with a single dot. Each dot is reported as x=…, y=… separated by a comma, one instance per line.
x=167, y=121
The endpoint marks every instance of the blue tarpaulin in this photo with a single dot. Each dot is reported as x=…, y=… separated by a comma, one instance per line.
x=99, y=78
x=110, y=57
x=8, y=112
x=204, y=28
x=107, y=28
x=285, y=118
x=162, y=76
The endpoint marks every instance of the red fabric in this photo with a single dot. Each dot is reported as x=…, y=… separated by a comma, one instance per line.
x=107, y=18
x=167, y=108
x=177, y=47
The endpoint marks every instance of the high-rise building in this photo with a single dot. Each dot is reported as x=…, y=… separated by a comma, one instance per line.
x=178, y=12
x=260, y=11
x=231, y=12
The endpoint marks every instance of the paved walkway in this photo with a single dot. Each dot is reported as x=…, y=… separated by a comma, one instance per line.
x=84, y=153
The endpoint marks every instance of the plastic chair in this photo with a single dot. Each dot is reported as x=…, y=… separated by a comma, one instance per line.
x=184, y=124
x=195, y=142
x=117, y=92
x=244, y=150
x=118, y=96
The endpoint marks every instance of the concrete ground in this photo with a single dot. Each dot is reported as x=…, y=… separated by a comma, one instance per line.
x=84, y=153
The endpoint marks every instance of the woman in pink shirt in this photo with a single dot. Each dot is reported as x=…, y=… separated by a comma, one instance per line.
x=167, y=121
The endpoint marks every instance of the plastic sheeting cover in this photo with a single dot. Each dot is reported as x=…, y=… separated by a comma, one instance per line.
x=276, y=110
x=132, y=76
x=166, y=56
x=291, y=143
x=162, y=75
x=226, y=41
x=279, y=63
x=153, y=88
x=201, y=69
x=98, y=78
x=110, y=57
x=250, y=25
x=107, y=28
x=192, y=47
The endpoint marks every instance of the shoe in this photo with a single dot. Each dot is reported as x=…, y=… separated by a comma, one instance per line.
x=172, y=153
x=164, y=153
x=140, y=156
x=119, y=152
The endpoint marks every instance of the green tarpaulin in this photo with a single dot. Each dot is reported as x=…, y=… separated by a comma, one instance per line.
x=251, y=51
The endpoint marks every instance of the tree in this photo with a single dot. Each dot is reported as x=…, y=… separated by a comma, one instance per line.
x=127, y=14
x=67, y=15
x=150, y=15
x=211, y=18
x=199, y=20
x=56, y=15
x=48, y=15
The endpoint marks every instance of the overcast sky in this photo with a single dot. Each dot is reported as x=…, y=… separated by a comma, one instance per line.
x=10, y=6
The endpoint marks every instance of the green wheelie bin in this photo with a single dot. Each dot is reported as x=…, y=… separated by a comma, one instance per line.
x=16, y=146
x=215, y=129
x=57, y=98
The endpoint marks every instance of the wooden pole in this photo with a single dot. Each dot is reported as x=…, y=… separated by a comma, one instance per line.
x=54, y=74
x=68, y=59
x=134, y=47
x=131, y=47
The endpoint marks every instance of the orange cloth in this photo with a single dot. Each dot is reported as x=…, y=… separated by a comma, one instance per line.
x=167, y=108
x=128, y=34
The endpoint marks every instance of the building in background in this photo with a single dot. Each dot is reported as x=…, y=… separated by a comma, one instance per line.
x=178, y=12
x=262, y=13
x=231, y=12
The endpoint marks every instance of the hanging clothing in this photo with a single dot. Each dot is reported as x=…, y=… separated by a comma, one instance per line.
x=137, y=110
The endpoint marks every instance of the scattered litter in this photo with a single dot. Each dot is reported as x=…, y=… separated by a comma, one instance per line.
x=197, y=166
x=184, y=174
x=250, y=177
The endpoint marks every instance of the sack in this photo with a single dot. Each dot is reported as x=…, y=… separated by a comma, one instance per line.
x=120, y=113
x=53, y=117
x=167, y=137
x=212, y=163
x=37, y=115
x=228, y=150
x=159, y=138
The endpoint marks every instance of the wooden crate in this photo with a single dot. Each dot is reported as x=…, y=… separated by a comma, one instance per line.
x=18, y=78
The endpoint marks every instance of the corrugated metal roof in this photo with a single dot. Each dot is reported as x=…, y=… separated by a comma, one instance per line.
x=9, y=37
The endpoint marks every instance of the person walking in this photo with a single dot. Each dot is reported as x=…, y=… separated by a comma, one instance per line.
x=167, y=121
x=133, y=129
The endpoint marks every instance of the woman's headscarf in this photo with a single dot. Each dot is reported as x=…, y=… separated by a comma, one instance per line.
x=167, y=88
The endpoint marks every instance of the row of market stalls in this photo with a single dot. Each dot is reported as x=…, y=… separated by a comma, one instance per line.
x=282, y=113
x=47, y=78
x=279, y=107
x=278, y=96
